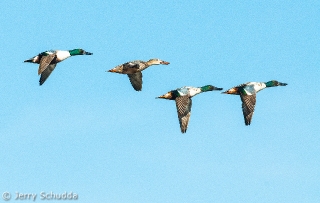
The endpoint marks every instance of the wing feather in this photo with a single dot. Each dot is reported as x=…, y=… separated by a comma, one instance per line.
x=136, y=80
x=183, y=105
x=46, y=73
x=248, y=104
x=45, y=62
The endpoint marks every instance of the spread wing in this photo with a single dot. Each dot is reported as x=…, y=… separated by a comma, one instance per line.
x=183, y=104
x=136, y=80
x=248, y=104
x=45, y=61
x=46, y=73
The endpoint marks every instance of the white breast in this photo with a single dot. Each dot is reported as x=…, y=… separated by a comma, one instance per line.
x=193, y=91
x=259, y=86
x=62, y=55
x=254, y=87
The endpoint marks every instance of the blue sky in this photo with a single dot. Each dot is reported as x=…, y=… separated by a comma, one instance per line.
x=87, y=131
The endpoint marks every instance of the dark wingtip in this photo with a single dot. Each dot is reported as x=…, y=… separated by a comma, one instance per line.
x=40, y=82
x=137, y=89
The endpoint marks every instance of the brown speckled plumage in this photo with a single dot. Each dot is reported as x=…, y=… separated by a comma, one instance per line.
x=133, y=70
x=183, y=105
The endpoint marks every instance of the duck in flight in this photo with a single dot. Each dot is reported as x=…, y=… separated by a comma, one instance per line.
x=48, y=60
x=247, y=92
x=182, y=97
x=134, y=70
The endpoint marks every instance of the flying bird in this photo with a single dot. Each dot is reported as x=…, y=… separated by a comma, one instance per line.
x=48, y=60
x=133, y=70
x=183, y=96
x=248, y=93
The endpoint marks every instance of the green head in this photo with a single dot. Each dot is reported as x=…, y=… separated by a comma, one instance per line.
x=209, y=88
x=274, y=83
x=74, y=52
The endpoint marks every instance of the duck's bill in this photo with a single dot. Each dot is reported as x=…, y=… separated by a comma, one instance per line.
x=217, y=88
x=87, y=53
x=282, y=84
x=164, y=62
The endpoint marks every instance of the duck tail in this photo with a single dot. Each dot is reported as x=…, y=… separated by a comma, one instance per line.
x=29, y=60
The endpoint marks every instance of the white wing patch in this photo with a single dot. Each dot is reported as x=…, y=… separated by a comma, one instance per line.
x=183, y=91
x=247, y=90
x=188, y=91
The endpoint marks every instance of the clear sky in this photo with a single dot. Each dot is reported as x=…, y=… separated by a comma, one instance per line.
x=88, y=132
